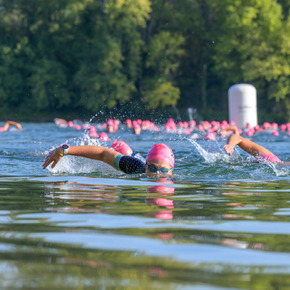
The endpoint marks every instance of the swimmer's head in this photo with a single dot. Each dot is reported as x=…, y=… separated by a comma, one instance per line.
x=122, y=148
x=104, y=136
x=136, y=129
x=160, y=160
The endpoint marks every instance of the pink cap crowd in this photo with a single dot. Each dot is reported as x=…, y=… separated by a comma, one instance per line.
x=208, y=129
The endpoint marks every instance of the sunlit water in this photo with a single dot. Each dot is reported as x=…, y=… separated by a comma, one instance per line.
x=220, y=223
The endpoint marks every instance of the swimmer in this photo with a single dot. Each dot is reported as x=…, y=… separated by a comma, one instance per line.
x=136, y=129
x=252, y=148
x=104, y=137
x=123, y=148
x=62, y=123
x=159, y=161
x=10, y=123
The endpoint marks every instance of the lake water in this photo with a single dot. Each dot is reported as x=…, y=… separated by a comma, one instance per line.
x=220, y=223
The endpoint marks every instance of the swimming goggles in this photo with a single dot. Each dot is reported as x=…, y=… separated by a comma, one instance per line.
x=133, y=154
x=152, y=168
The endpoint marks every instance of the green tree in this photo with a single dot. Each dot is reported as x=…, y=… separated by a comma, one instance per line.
x=111, y=60
x=252, y=45
x=162, y=61
x=87, y=54
x=162, y=54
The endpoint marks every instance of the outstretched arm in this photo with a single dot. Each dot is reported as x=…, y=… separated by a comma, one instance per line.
x=247, y=145
x=11, y=123
x=93, y=152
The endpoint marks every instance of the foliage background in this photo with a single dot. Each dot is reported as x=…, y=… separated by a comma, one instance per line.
x=73, y=58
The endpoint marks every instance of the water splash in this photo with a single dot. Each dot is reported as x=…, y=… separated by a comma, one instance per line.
x=77, y=165
x=213, y=157
x=210, y=157
x=278, y=169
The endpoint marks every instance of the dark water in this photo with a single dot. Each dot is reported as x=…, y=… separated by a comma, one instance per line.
x=221, y=223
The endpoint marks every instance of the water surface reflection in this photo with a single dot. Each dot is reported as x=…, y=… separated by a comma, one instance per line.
x=152, y=234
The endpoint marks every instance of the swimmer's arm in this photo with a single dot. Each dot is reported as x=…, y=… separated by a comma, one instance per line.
x=12, y=123
x=19, y=127
x=93, y=152
x=226, y=131
x=233, y=128
x=6, y=126
x=245, y=144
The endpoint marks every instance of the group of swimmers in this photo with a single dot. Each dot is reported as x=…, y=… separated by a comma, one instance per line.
x=205, y=129
x=160, y=159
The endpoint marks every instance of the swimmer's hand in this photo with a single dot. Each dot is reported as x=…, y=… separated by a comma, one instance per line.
x=53, y=157
x=229, y=149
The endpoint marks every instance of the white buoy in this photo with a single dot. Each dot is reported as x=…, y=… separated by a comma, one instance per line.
x=243, y=105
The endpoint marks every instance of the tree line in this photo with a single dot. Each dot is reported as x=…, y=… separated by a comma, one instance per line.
x=87, y=55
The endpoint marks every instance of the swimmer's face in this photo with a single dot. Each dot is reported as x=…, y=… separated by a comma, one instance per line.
x=110, y=129
x=137, y=131
x=159, y=165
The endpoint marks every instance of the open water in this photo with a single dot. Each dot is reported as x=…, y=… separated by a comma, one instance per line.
x=220, y=223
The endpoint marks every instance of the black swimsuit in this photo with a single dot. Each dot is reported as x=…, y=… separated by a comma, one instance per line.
x=129, y=164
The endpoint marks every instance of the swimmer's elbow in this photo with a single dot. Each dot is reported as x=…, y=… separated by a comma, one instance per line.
x=108, y=156
x=101, y=156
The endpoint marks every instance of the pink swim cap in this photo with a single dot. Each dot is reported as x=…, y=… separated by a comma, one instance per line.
x=162, y=152
x=270, y=157
x=200, y=127
x=115, y=127
x=1, y=129
x=250, y=133
x=210, y=136
x=283, y=127
x=104, y=137
x=122, y=147
x=93, y=132
x=135, y=124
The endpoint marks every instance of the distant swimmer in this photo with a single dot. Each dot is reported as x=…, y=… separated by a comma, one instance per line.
x=104, y=137
x=261, y=153
x=159, y=161
x=10, y=123
x=62, y=123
